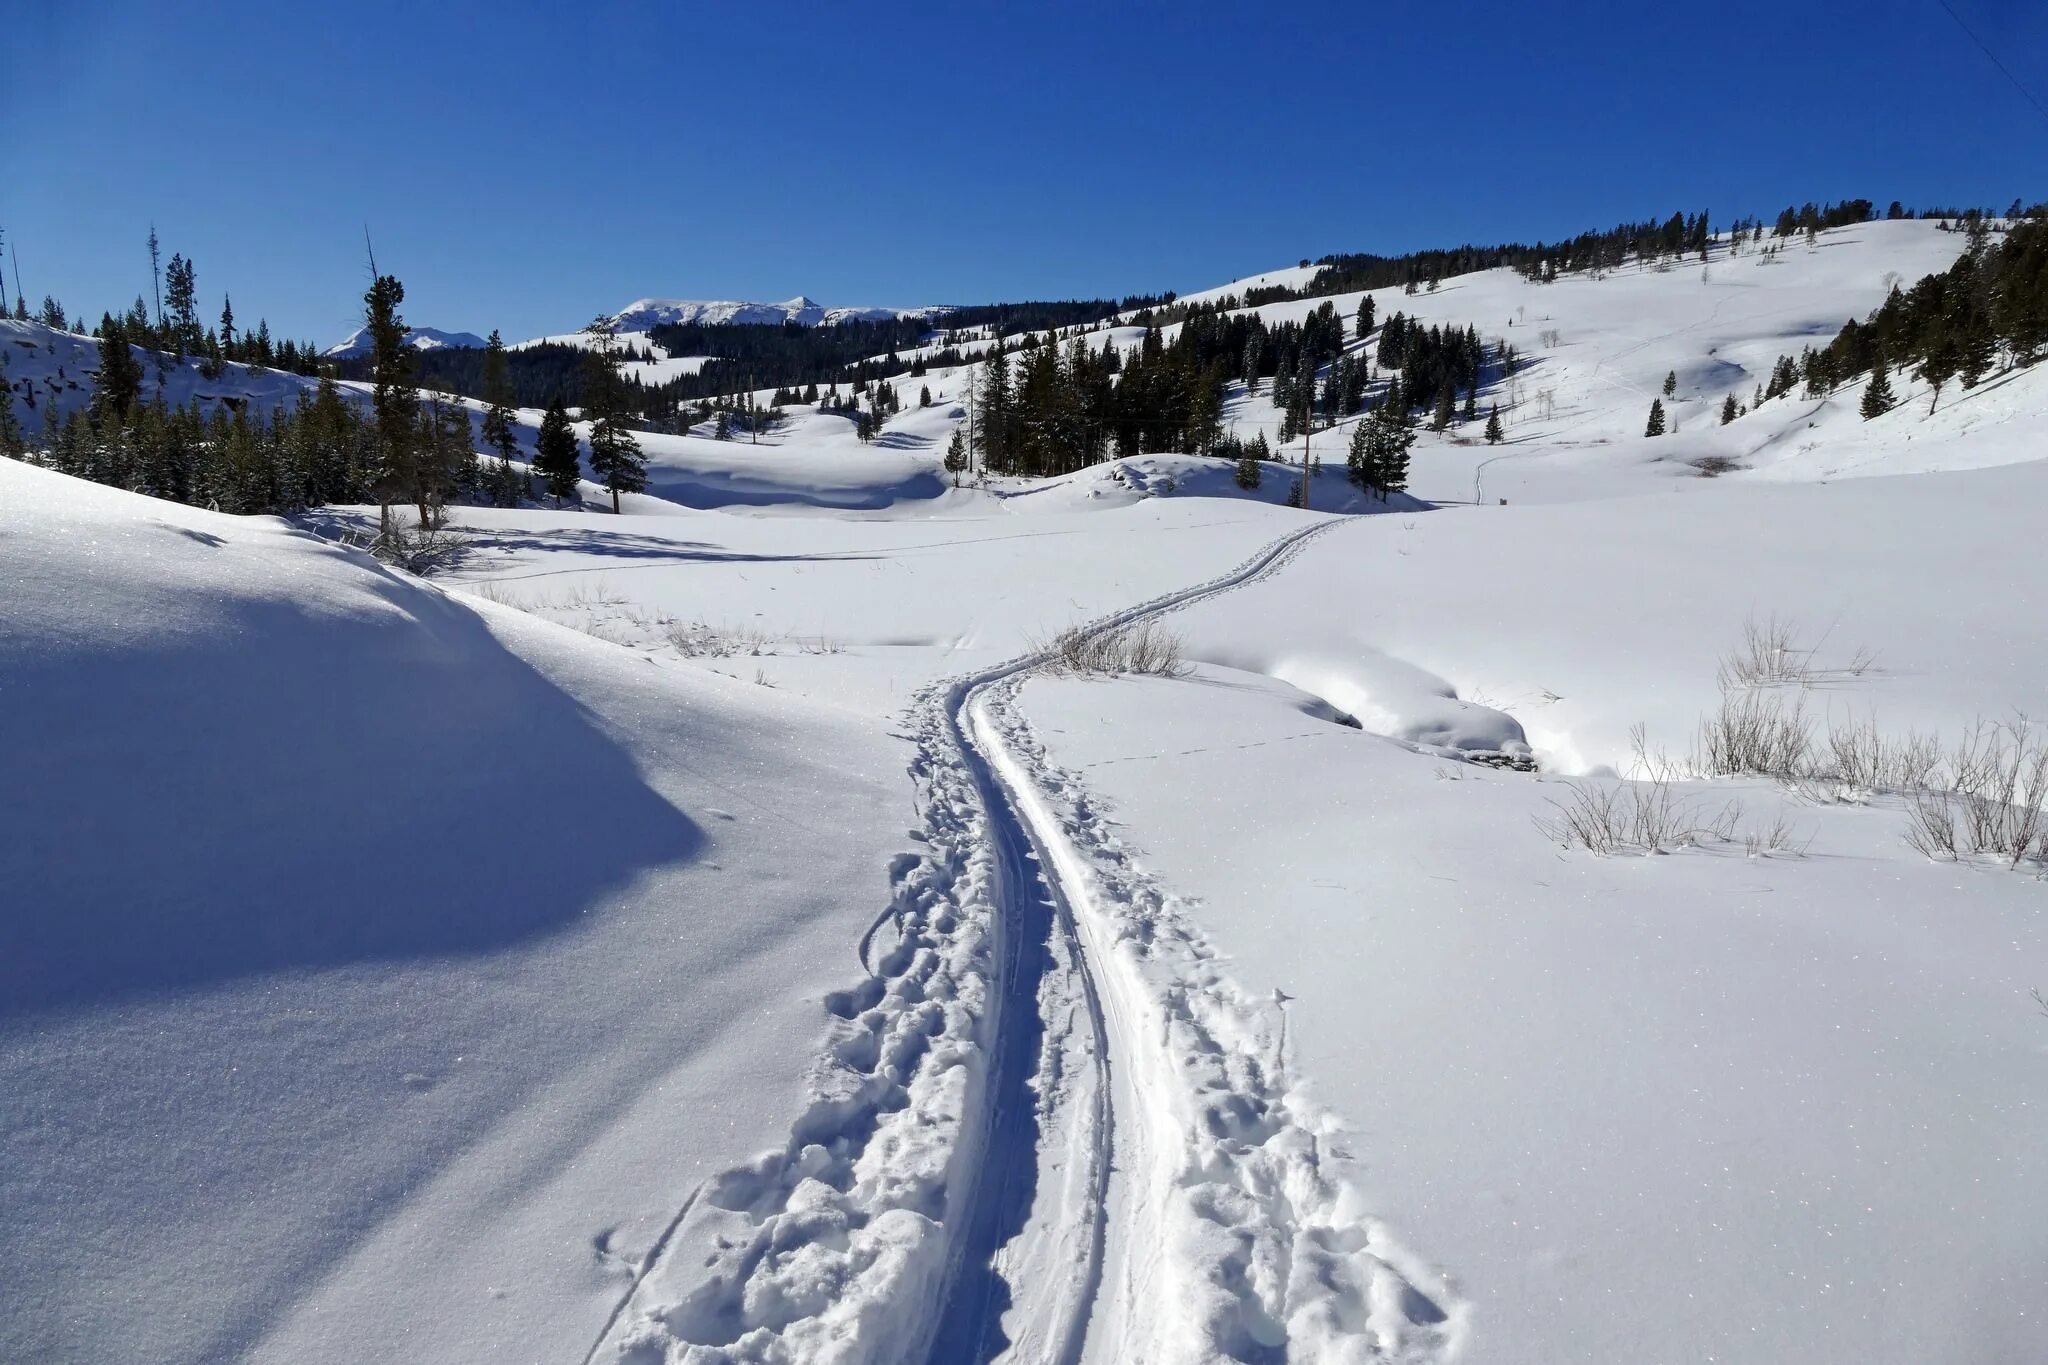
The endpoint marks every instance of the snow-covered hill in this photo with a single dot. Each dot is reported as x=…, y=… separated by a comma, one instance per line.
x=784, y=962
x=357, y=343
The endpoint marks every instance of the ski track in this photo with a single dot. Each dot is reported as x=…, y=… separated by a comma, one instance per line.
x=1045, y=1111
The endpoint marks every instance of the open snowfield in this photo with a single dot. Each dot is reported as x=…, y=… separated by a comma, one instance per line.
x=714, y=934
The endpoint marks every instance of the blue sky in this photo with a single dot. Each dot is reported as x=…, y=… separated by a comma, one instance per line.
x=526, y=166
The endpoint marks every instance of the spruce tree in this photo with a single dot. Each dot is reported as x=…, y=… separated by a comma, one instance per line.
x=555, y=454
x=1364, y=317
x=1445, y=405
x=1728, y=413
x=1248, y=472
x=120, y=376
x=395, y=466
x=615, y=456
x=1877, y=397
x=11, y=442
x=1494, y=435
x=1670, y=383
x=1936, y=369
x=956, y=455
x=1656, y=424
x=499, y=420
x=181, y=311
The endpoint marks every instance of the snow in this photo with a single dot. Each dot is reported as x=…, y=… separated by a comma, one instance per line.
x=644, y=314
x=431, y=954
x=831, y=981
x=357, y=343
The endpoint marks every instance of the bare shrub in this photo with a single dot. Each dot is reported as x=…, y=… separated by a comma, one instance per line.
x=1860, y=755
x=699, y=640
x=2002, y=811
x=1649, y=816
x=1772, y=656
x=1759, y=733
x=1931, y=827
x=1142, y=647
x=422, y=550
x=1768, y=657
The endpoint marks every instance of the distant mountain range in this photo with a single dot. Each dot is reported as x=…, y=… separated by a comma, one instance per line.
x=644, y=314
x=805, y=312
x=419, y=338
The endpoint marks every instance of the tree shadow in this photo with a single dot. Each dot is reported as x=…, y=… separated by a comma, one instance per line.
x=290, y=786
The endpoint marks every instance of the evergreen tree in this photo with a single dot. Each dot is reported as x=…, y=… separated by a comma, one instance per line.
x=395, y=470
x=1494, y=435
x=1937, y=368
x=555, y=454
x=227, y=329
x=1471, y=413
x=1249, y=474
x=499, y=422
x=1378, y=458
x=1446, y=400
x=181, y=310
x=956, y=455
x=1877, y=397
x=1670, y=383
x=11, y=442
x=120, y=377
x=1364, y=325
x=1656, y=424
x=1728, y=413
x=615, y=456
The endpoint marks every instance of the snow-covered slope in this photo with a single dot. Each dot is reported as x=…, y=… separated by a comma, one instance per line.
x=1247, y=1014
x=357, y=343
x=380, y=973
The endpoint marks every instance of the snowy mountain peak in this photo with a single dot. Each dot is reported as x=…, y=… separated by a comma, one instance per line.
x=357, y=343
x=642, y=314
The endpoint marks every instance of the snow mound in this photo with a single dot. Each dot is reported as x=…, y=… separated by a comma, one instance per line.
x=367, y=952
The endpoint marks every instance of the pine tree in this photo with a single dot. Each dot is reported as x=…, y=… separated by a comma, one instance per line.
x=1364, y=327
x=1471, y=413
x=1728, y=413
x=181, y=311
x=1360, y=464
x=11, y=442
x=1494, y=435
x=1877, y=397
x=1670, y=383
x=1445, y=405
x=615, y=456
x=499, y=419
x=120, y=376
x=227, y=329
x=392, y=400
x=555, y=454
x=1938, y=367
x=1656, y=424
x=956, y=455
x=1248, y=472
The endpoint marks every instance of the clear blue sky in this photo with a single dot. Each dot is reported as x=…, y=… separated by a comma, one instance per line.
x=526, y=166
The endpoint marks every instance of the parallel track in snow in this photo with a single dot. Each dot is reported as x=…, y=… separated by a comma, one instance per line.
x=1063, y=1157
x=1049, y=1130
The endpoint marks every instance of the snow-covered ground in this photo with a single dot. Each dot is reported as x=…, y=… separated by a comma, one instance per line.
x=711, y=934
